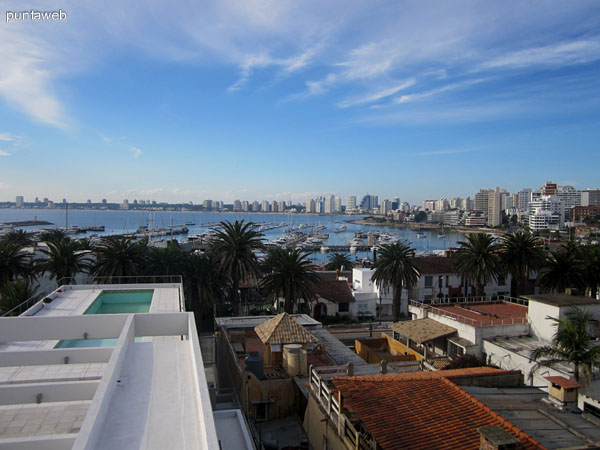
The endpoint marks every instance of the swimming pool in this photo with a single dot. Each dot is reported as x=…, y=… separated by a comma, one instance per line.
x=112, y=302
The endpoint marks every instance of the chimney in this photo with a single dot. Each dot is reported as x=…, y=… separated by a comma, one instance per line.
x=493, y=437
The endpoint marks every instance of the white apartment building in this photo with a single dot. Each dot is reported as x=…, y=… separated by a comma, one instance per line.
x=547, y=212
x=385, y=208
x=311, y=206
x=367, y=295
x=351, y=203
x=19, y=201
x=329, y=204
x=266, y=206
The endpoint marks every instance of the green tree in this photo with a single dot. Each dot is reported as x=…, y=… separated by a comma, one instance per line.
x=591, y=266
x=14, y=293
x=233, y=248
x=289, y=273
x=338, y=261
x=118, y=257
x=477, y=260
x=165, y=261
x=20, y=238
x=562, y=270
x=15, y=263
x=521, y=253
x=203, y=283
x=64, y=259
x=572, y=344
x=395, y=268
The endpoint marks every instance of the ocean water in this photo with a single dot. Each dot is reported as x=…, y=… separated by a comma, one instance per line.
x=118, y=222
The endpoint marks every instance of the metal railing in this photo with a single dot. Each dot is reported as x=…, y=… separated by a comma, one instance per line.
x=125, y=279
x=24, y=306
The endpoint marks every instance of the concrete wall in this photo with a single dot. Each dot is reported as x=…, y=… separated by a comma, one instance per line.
x=371, y=350
x=279, y=393
x=397, y=348
x=506, y=359
x=321, y=433
x=541, y=327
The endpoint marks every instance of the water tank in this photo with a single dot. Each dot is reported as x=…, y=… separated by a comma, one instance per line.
x=254, y=363
x=291, y=359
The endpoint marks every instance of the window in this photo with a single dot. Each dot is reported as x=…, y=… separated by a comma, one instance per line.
x=428, y=281
x=454, y=351
x=344, y=307
x=262, y=411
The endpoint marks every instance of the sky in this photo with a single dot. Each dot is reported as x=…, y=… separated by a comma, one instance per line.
x=288, y=99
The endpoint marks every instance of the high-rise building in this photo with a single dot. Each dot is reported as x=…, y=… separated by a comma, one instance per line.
x=281, y=206
x=266, y=206
x=207, y=204
x=338, y=204
x=351, y=203
x=590, y=197
x=124, y=205
x=549, y=188
x=495, y=207
x=311, y=206
x=329, y=204
x=19, y=201
x=369, y=202
x=385, y=208
x=428, y=205
x=482, y=200
x=245, y=206
x=255, y=206
x=547, y=212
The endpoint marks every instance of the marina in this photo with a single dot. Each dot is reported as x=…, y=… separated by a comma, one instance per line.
x=315, y=234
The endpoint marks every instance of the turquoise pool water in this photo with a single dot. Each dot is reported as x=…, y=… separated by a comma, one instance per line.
x=112, y=302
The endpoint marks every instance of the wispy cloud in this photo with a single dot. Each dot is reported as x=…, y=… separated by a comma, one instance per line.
x=559, y=54
x=7, y=137
x=136, y=152
x=3, y=153
x=378, y=95
x=433, y=92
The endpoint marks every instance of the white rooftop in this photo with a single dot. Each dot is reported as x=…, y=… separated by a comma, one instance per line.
x=147, y=391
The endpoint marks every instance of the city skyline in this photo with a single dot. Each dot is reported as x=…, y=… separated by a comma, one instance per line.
x=287, y=101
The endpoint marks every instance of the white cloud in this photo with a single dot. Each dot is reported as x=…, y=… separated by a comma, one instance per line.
x=3, y=153
x=136, y=152
x=561, y=54
x=378, y=95
x=7, y=137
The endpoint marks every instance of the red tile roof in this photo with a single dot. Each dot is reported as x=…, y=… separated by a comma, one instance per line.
x=433, y=265
x=335, y=291
x=564, y=382
x=422, y=411
x=470, y=372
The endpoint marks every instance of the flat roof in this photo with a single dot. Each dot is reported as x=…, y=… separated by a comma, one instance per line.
x=422, y=330
x=251, y=321
x=525, y=408
x=150, y=393
x=562, y=299
x=483, y=314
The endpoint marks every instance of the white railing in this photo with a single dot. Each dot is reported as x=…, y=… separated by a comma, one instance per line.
x=332, y=406
x=484, y=321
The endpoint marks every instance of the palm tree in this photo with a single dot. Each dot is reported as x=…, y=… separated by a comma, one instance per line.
x=120, y=257
x=562, y=270
x=591, y=264
x=477, y=260
x=165, y=261
x=14, y=263
x=521, y=253
x=64, y=259
x=15, y=293
x=571, y=344
x=52, y=236
x=233, y=248
x=395, y=268
x=338, y=261
x=289, y=273
x=203, y=283
x=18, y=237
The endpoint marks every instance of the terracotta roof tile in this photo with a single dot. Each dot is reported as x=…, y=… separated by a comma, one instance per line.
x=564, y=382
x=420, y=412
x=283, y=329
x=450, y=374
x=335, y=291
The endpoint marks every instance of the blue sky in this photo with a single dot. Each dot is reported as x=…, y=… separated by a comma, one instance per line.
x=277, y=99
